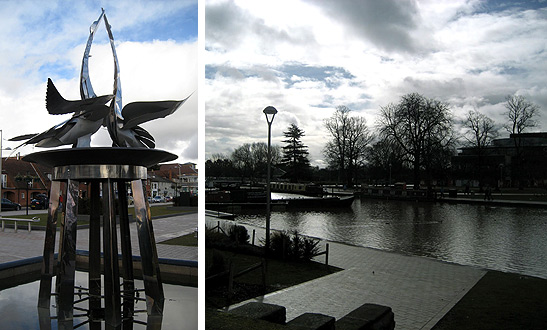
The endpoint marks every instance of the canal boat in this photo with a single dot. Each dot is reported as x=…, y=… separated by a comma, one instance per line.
x=307, y=189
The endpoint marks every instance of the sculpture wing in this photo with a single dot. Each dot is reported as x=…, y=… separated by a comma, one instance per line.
x=23, y=137
x=57, y=105
x=36, y=138
x=140, y=112
x=144, y=137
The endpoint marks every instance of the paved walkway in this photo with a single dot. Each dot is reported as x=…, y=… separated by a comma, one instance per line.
x=419, y=290
x=22, y=245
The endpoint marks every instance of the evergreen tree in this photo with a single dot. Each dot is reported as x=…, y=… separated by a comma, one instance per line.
x=295, y=154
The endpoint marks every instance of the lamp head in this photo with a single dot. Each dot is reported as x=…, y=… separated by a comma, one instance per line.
x=269, y=111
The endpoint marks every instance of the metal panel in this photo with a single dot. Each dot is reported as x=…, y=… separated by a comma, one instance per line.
x=94, y=171
x=127, y=257
x=67, y=257
x=149, y=256
x=48, y=261
x=95, y=251
x=110, y=249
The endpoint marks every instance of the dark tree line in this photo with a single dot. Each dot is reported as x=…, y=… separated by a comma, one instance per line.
x=250, y=160
x=414, y=139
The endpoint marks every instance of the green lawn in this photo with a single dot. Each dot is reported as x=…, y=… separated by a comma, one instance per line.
x=280, y=274
x=185, y=240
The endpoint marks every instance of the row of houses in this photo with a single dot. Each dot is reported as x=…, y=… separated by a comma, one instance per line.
x=22, y=181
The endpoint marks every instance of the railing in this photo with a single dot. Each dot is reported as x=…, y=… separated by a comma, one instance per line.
x=16, y=220
x=326, y=253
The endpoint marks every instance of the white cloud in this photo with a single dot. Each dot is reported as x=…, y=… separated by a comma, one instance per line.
x=43, y=41
x=467, y=53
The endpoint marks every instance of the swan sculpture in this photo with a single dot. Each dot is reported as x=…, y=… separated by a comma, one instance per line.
x=92, y=111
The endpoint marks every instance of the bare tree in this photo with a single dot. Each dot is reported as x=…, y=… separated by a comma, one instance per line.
x=521, y=115
x=480, y=131
x=346, y=149
x=251, y=159
x=422, y=128
x=383, y=158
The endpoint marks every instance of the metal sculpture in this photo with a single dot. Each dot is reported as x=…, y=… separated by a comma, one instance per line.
x=109, y=171
x=91, y=112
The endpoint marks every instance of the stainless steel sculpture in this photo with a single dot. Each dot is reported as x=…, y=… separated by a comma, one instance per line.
x=109, y=171
x=91, y=112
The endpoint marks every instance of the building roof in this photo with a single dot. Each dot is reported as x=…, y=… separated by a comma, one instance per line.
x=15, y=167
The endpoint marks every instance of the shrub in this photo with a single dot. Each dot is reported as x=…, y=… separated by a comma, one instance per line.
x=238, y=234
x=293, y=246
x=310, y=248
x=213, y=237
x=279, y=242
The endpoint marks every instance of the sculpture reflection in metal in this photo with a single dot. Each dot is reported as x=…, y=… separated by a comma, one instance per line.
x=108, y=171
x=91, y=112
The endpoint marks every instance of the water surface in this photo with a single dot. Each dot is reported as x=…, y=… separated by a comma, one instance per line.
x=18, y=306
x=501, y=238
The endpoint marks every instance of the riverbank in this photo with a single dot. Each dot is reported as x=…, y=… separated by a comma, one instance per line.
x=402, y=282
x=419, y=290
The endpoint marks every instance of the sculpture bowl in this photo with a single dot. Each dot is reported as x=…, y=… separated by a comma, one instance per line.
x=100, y=156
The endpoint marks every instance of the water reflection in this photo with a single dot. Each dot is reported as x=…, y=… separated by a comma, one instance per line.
x=18, y=308
x=502, y=238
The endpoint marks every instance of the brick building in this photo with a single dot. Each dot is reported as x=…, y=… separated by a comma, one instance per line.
x=22, y=181
x=184, y=176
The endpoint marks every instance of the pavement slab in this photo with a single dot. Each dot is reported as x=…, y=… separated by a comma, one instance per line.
x=24, y=244
x=419, y=290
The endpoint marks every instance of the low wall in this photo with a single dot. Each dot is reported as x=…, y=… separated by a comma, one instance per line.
x=178, y=272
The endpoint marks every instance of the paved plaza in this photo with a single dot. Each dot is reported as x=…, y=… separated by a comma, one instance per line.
x=24, y=244
x=419, y=290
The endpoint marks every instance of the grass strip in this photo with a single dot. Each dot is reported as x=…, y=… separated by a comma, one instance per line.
x=500, y=301
x=185, y=240
x=217, y=320
x=280, y=274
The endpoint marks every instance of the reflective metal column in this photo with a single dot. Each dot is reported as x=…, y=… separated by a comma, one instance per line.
x=114, y=178
x=149, y=255
x=67, y=256
x=48, y=263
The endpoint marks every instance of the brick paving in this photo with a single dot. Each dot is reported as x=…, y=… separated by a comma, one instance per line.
x=419, y=290
x=24, y=244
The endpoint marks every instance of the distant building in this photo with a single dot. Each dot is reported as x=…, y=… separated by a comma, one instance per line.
x=497, y=163
x=180, y=177
x=160, y=186
x=20, y=177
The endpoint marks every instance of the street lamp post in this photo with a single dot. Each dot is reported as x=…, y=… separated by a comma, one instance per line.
x=1, y=176
x=29, y=180
x=269, y=112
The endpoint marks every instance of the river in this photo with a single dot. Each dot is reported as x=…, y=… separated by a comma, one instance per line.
x=511, y=239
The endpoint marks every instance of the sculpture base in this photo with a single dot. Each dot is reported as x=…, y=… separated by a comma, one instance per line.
x=108, y=172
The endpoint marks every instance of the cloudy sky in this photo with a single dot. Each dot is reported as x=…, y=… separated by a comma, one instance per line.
x=308, y=57
x=156, y=44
